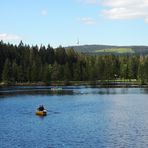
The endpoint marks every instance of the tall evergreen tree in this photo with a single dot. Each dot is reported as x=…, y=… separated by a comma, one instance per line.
x=61, y=56
x=6, y=74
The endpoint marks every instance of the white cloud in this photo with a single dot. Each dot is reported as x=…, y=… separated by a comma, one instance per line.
x=9, y=37
x=89, y=1
x=44, y=12
x=87, y=20
x=126, y=9
x=123, y=9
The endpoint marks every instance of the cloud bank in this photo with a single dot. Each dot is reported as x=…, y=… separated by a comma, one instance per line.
x=123, y=9
x=126, y=9
x=9, y=37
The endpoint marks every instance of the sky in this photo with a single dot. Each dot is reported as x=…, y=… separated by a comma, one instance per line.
x=65, y=22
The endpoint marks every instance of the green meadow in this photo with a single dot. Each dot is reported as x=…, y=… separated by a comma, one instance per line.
x=116, y=50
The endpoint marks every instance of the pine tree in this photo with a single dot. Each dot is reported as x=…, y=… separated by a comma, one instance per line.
x=6, y=74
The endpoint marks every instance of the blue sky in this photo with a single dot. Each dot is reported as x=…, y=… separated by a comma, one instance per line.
x=63, y=22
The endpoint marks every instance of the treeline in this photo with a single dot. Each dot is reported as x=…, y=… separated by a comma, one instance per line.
x=24, y=63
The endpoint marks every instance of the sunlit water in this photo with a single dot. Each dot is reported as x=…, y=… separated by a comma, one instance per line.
x=78, y=117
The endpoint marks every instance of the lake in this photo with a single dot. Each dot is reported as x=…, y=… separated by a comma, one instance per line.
x=78, y=117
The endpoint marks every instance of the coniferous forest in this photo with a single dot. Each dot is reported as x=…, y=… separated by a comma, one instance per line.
x=23, y=63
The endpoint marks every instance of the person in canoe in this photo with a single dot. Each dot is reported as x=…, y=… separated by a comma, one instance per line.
x=41, y=111
x=41, y=108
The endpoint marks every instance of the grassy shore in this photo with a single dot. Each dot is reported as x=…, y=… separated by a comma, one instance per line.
x=98, y=83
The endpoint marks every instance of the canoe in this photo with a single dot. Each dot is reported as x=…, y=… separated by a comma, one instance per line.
x=41, y=113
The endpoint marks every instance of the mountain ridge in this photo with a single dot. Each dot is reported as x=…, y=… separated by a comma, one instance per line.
x=111, y=49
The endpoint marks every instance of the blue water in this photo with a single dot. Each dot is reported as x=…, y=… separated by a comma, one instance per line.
x=78, y=117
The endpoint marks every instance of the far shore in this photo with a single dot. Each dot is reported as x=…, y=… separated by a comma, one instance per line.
x=108, y=84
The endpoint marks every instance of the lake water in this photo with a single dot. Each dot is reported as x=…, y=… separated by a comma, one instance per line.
x=78, y=117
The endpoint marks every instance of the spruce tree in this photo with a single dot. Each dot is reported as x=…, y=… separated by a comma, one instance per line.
x=6, y=74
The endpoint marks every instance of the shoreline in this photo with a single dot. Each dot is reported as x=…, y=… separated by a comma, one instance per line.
x=129, y=84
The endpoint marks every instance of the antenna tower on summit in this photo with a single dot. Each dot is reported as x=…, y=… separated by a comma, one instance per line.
x=78, y=42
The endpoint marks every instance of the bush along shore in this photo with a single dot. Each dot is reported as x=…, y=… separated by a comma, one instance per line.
x=110, y=83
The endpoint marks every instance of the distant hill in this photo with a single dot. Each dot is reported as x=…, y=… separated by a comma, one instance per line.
x=105, y=49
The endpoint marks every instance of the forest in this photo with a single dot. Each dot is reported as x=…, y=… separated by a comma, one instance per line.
x=24, y=63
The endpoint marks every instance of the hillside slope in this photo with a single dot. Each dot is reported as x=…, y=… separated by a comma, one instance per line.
x=105, y=49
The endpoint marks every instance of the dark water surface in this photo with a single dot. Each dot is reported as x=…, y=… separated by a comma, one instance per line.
x=78, y=117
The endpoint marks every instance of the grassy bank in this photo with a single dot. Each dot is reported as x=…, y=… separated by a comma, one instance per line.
x=98, y=83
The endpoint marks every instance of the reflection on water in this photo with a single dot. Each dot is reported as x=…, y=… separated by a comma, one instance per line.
x=78, y=117
x=69, y=90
